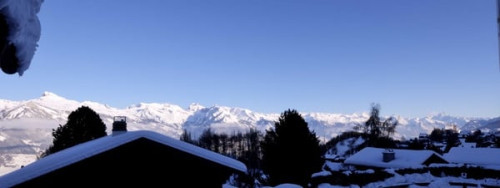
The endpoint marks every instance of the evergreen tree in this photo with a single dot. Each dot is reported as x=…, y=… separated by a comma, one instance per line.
x=415, y=144
x=186, y=137
x=291, y=152
x=475, y=137
x=437, y=135
x=451, y=139
x=206, y=140
x=83, y=125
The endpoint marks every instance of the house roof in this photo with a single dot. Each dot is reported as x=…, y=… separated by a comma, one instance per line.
x=97, y=146
x=477, y=156
x=370, y=156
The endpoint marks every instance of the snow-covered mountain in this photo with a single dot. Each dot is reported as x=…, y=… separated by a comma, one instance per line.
x=25, y=126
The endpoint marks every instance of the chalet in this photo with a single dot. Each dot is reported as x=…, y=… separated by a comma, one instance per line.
x=485, y=157
x=123, y=159
x=394, y=158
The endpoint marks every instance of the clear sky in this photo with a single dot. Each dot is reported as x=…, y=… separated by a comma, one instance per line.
x=414, y=58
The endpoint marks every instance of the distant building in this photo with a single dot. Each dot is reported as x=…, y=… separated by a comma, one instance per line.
x=466, y=144
x=333, y=158
x=124, y=159
x=464, y=133
x=485, y=157
x=423, y=137
x=394, y=158
x=403, y=144
x=488, y=141
x=439, y=145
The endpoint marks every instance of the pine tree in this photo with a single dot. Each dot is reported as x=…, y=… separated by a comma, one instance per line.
x=83, y=125
x=186, y=137
x=291, y=152
x=205, y=140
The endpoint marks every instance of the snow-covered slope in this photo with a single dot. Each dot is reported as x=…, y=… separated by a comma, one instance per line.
x=411, y=127
x=491, y=125
x=25, y=126
x=227, y=120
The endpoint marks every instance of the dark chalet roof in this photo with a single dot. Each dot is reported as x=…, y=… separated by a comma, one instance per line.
x=95, y=148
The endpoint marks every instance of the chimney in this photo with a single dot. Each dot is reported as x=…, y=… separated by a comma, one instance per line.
x=388, y=155
x=119, y=124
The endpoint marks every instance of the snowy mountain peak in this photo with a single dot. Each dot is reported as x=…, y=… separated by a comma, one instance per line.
x=56, y=102
x=49, y=98
x=193, y=107
x=47, y=94
x=143, y=105
x=438, y=115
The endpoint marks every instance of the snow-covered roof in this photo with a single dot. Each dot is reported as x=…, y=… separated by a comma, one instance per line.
x=478, y=156
x=94, y=147
x=24, y=28
x=370, y=156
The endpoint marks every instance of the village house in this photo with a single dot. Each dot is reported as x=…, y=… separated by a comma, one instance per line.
x=393, y=158
x=123, y=159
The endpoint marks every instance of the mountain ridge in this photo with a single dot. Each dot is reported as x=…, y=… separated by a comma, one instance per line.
x=51, y=106
x=26, y=126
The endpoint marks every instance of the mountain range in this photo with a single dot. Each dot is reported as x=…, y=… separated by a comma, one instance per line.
x=25, y=126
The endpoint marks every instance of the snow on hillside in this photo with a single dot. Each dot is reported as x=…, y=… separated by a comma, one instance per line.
x=344, y=148
x=5, y=104
x=14, y=161
x=157, y=113
x=227, y=120
x=328, y=126
x=26, y=125
x=491, y=125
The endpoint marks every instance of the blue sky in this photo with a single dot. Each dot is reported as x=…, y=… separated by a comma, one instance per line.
x=414, y=58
